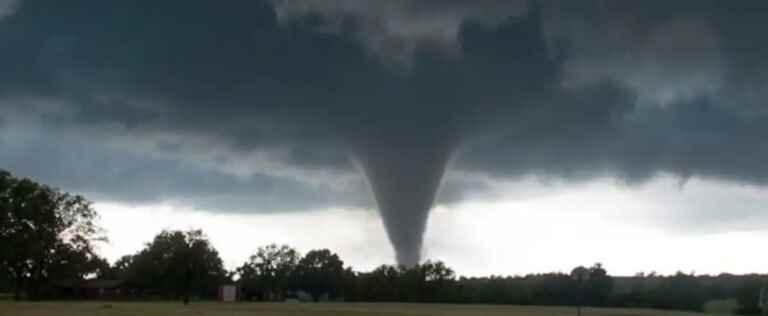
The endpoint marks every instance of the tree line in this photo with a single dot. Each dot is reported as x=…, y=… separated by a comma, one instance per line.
x=48, y=236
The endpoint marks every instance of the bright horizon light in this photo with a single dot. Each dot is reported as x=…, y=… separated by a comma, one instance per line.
x=629, y=229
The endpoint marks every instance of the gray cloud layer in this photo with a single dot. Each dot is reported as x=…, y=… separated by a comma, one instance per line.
x=395, y=30
x=273, y=105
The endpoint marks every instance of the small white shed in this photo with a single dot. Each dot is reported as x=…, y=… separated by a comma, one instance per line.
x=228, y=293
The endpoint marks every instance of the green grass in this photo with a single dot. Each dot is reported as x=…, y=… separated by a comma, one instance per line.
x=278, y=309
x=722, y=307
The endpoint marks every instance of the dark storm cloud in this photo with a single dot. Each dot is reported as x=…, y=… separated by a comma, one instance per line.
x=114, y=173
x=7, y=7
x=267, y=104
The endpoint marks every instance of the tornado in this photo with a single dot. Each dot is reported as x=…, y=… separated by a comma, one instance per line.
x=404, y=180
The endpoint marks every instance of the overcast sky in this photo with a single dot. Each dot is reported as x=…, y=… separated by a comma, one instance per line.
x=545, y=134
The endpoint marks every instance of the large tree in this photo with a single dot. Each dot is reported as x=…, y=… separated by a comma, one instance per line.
x=44, y=234
x=321, y=272
x=439, y=282
x=600, y=286
x=269, y=272
x=175, y=264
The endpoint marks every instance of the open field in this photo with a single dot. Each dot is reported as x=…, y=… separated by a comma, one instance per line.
x=222, y=309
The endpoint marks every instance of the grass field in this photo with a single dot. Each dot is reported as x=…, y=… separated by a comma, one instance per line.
x=222, y=309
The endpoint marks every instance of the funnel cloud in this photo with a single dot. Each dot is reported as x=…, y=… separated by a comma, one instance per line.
x=404, y=179
x=257, y=106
